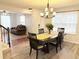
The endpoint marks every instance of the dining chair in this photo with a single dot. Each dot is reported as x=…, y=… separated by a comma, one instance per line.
x=41, y=30
x=35, y=44
x=57, y=41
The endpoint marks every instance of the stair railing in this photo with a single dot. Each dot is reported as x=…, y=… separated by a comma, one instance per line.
x=5, y=37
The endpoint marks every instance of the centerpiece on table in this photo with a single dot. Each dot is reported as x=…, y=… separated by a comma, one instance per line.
x=49, y=26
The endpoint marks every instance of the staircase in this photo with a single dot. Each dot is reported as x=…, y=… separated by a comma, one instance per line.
x=5, y=37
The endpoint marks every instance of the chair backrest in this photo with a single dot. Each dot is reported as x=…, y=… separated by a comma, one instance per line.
x=61, y=30
x=41, y=30
x=33, y=35
x=34, y=42
x=60, y=37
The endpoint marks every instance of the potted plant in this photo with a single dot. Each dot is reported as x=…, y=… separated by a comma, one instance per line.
x=49, y=27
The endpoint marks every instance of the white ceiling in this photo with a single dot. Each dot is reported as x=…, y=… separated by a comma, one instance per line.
x=39, y=3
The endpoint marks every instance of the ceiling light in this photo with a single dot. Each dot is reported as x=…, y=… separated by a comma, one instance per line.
x=48, y=12
x=4, y=12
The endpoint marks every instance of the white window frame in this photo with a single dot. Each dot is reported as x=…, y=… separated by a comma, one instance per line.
x=67, y=20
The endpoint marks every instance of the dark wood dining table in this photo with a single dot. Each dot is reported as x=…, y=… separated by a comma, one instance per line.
x=45, y=37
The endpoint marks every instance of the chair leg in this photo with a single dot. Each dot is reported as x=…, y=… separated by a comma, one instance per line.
x=60, y=46
x=30, y=51
x=56, y=49
x=36, y=54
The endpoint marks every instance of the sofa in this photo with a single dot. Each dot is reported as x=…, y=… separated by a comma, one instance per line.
x=19, y=30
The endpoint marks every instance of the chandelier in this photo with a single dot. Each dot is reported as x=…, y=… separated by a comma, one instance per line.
x=48, y=12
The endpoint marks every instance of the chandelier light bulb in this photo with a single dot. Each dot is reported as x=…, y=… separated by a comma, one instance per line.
x=46, y=9
x=54, y=13
x=51, y=9
x=42, y=14
x=47, y=13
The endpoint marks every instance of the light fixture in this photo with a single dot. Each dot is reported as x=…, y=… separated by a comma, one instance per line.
x=4, y=13
x=48, y=12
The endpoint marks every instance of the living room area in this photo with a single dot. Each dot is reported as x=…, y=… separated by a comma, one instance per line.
x=17, y=26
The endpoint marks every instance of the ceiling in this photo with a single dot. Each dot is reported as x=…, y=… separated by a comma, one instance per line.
x=39, y=3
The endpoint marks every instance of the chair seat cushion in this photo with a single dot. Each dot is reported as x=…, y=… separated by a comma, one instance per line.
x=53, y=43
x=39, y=47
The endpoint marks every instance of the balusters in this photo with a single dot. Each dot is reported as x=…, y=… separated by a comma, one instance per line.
x=5, y=36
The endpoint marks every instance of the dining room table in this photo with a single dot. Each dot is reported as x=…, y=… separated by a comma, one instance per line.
x=45, y=37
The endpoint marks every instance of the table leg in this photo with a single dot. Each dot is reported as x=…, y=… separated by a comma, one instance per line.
x=47, y=47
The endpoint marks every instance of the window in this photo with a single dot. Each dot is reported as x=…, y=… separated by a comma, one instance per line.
x=67, y=20
x=5, y=20
x=22, y=19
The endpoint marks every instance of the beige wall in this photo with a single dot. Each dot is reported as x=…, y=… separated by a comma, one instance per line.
x=35, y=20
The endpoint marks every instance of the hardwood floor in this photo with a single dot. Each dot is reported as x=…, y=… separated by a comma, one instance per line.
x=17, y=39
x=21, y=51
